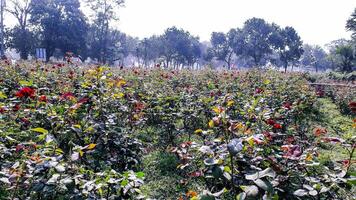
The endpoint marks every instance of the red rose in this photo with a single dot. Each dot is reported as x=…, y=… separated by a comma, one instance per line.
x=196, y=174
x=19, y=147
x=346, y=163
x=83, y=100
x=25, y=92
x=139, y=106
x=277, y=126
x=268, y=135
x=292, y=152
x=270, y=122
x=259, y=90
x=43, y=98
x=25, y=121
x=2, y=110
x=16, y=107
x=352, y=106
x=67, y=96
x=287, y=105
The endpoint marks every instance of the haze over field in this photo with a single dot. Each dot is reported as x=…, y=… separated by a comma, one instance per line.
x=317, y=21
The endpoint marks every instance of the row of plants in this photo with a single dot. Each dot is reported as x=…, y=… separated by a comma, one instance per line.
x=339, y=87
x=79, y=132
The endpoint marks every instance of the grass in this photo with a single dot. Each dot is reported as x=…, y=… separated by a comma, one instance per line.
x=337, y=124
x=163, y=180
x=330, y=117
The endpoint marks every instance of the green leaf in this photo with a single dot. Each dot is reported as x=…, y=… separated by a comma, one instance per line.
x=264, y=184
x=241, y=196
x=251, y=191
x=25, y=83
x=275, y=197
x=352, y=181
x=266, y=82
x=124, y=183
x=42, y=137
x=140, y=175
x=227, y=169
x=217, y=172
x=267, y=172
x=90, y=146
x=40, y=130
x=207, y=197
x=2, y=95
x=227, y=176
x=300, y=193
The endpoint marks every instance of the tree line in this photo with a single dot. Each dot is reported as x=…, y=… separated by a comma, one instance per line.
x=60, y=26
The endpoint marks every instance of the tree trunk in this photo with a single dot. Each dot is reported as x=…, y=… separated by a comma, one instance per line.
x=255, y=59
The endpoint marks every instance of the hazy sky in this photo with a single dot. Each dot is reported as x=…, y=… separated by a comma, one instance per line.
x=317, y=21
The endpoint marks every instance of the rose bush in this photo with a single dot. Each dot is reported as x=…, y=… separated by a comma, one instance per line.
x=80, y=132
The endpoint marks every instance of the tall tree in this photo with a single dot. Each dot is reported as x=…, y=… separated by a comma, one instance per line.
x=221, y=48
x=347, y=56
x=351, y=24
x=119, y=45
x=23, y=40
x=149, y=50
x=194, y=51
x=178, y=47
x=314, y=56
x=287, y=44
x=333, y=57
x=257, y=35
x=21, y=37
x=61, y=25
x=105, y=12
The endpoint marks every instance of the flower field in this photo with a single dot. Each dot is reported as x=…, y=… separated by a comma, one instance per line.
x=75, y=132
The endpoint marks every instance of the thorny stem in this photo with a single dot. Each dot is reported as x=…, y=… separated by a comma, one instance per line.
x=232, y=173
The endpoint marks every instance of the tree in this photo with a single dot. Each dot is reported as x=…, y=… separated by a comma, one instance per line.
x=149, y=49
x=237, y=43
x=347, y=56
x=178, y=47
x=119, y=45
x=221, y=48
x=332, y=47
x=194, y=51
x=314, y=56
x=287, y=44
x=61, y=25
x=168, y=45
x=256, y=35
x=105, y=12
x=22, y=39
x=351, y=24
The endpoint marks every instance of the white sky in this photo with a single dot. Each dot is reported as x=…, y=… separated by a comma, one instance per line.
x=317, y=21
